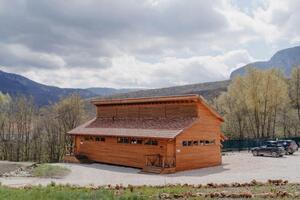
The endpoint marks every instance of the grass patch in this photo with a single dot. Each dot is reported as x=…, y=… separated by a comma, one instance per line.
x=189, y=192
x=50, y=171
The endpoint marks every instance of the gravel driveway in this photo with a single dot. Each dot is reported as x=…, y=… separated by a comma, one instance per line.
x=237, y=167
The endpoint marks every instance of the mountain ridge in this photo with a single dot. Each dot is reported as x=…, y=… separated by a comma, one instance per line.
x=284, y=59
x=14, y=84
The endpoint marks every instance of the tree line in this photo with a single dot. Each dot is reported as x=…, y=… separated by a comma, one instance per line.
x=37, y=134
x=261, y=104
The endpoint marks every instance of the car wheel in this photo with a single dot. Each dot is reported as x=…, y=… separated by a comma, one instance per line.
x=255, y=153
x=291, y=153
x=274, y=154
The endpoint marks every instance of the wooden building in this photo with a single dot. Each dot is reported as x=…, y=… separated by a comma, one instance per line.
x=158, y=134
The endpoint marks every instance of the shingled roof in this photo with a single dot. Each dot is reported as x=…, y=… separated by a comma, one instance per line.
x=149, y=128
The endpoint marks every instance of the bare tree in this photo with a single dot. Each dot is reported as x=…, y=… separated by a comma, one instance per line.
x=253, y=103
x=295, y=89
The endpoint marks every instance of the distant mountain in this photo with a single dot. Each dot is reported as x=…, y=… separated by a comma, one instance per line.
x=14, y=85
x=208, y=90
x=284, y=60
x=109, y=91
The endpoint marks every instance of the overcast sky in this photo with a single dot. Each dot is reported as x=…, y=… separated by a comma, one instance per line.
x=135, y=43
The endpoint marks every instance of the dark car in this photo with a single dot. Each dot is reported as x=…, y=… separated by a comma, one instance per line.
x=290, y=146
x=271, y=148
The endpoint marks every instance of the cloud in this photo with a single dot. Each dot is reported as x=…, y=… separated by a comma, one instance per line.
x=20, y=57
x=150, y=43
x=127, y=71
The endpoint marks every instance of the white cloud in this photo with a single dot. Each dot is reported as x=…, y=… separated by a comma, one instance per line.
x=127, y=71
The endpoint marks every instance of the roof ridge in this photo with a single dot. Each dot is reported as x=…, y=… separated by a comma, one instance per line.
x=144, y=99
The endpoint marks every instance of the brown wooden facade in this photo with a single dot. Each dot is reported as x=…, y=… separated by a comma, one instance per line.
x=159, y=134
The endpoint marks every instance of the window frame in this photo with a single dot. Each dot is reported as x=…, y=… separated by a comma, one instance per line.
x=152, y=142
x=122, y=140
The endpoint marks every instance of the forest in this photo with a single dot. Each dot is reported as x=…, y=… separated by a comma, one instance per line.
x=262, y=104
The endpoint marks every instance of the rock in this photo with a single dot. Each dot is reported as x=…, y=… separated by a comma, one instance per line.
x=164, y=196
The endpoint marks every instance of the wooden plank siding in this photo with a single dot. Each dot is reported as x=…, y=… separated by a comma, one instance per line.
x=149, y=111
x=113, y=152
x=192, y=157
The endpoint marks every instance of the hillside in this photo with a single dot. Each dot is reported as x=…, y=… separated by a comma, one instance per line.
x=284, y=60
x=102, y=91
x=14, y=85
x=208, y=90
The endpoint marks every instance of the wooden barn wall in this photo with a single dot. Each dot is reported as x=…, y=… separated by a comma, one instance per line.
x=149, y=111
x=111, y=152
x=192, y=157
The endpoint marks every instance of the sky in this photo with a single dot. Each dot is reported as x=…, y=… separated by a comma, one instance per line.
x=141, y=43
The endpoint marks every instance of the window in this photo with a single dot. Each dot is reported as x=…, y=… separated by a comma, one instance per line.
x=136, y=141
x=99, y=139
x=88, y=138
x=123, y=140
x=209, y=142
x=187, y=143
x=151, y=142
x=197, y=142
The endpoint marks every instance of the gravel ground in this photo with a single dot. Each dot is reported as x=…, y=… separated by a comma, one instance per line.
x=6, y=166
x=237, y=167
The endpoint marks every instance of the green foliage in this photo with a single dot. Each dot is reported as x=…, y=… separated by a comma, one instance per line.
x=50, y=171
x=4, y=99
x=295, y=89
x=254, y=104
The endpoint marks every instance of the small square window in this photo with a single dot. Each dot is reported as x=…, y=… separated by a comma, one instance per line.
x=195, y=143
x=151, y=142
x=133, y=141
x=190, y=143
x=154, y=142
x=139, y=141
x=184, y=143
x=123, y=140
